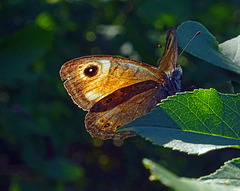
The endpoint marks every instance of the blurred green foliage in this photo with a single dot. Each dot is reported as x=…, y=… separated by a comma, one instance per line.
x=43, y=142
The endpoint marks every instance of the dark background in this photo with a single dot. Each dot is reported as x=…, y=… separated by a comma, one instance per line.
x=43, y=141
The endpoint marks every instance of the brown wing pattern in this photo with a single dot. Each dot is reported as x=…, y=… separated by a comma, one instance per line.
x=89, y=79
x=169, y=65
x=170, y=55
x=103, y=123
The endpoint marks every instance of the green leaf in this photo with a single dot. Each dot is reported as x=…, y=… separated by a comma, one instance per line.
x=206, y=111
x=205, y=46
x=228, y=174
x=231, y=49
x=194, y=122
x=181, y=183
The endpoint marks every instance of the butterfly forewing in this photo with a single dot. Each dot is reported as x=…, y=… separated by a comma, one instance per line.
x=89, y=79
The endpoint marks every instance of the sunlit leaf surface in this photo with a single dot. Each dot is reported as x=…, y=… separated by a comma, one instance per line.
x=193, y=122
x=228, y=174
x=181, y=183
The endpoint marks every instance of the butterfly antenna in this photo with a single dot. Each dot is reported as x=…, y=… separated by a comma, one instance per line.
x=159, y=46
x=197, y=33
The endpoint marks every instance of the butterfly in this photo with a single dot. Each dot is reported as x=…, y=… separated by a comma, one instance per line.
x=116, y=90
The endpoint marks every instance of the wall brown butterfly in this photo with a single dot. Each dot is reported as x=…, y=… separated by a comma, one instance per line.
x=117, y=90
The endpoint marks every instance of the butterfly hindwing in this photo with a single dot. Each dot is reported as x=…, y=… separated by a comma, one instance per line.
x=107, y=116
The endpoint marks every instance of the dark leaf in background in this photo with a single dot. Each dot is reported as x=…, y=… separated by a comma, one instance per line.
x=20, y=50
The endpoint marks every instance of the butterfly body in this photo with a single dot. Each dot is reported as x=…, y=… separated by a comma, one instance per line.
x=118, y=90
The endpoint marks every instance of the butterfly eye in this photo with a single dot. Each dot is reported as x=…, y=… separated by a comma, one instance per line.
x=91, y=70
